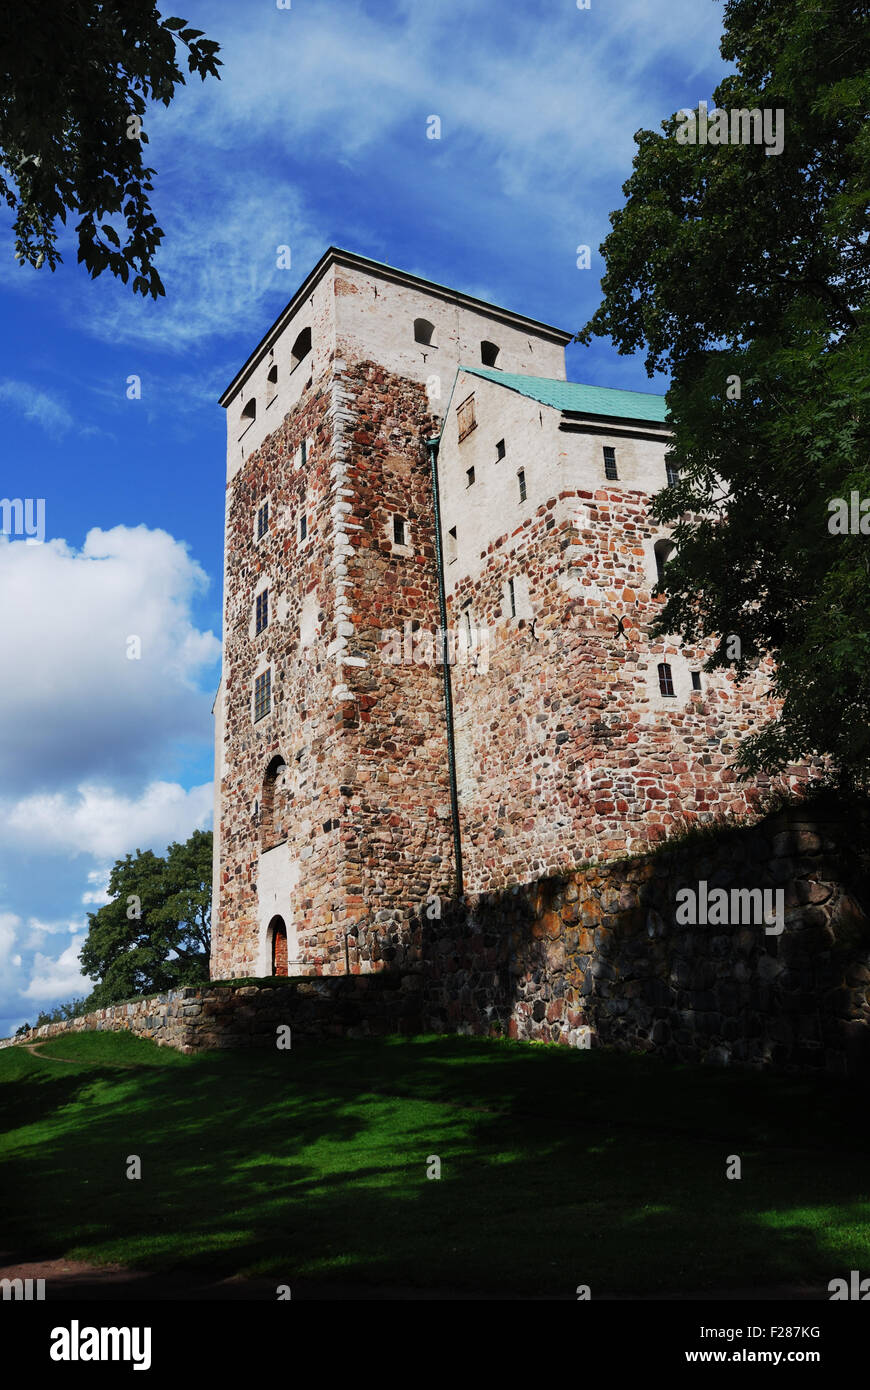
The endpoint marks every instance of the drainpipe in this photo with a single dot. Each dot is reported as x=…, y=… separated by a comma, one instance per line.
x=432, y=446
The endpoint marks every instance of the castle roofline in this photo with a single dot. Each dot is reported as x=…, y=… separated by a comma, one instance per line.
x=576, y=400
x=336, y=256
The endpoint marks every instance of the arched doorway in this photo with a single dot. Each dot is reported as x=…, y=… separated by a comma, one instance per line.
x=278, y=937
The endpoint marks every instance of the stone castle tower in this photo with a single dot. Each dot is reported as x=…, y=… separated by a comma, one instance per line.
x=399, y=453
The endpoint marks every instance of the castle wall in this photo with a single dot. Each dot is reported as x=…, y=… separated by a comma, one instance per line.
x=375, y=321
x=567, y=749
x=604, y=955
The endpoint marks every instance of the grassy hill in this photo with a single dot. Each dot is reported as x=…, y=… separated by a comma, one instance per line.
x=558, y=1168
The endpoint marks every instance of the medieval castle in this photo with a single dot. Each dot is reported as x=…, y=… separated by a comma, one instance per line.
x=405, y=461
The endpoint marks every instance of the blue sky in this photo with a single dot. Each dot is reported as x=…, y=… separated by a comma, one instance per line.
x=315, y=135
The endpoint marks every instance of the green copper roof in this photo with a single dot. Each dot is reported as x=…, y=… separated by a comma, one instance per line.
x=571, y=395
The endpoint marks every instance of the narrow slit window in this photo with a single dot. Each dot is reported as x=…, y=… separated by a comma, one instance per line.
x=262, y=521
x=398, y=530
x=469, y=476
x=666, y=682
x=512, y=598
x=262, y=610
x=696, y=680
x=303, y=527
x=500, y=450
x=610, y=463
x=451, y=544
x=521, y=479
x=262, y=695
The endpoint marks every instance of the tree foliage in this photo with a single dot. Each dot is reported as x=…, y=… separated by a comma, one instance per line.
x=75, y=78
x=731, y=265
x=155, y=934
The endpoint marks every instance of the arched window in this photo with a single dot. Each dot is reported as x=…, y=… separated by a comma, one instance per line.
x=663, y=551
x=423, y=331
x=272, y=383
x=301, y=348
x=488, y=354
x=273, y=805
x=278, y=945
x=249, y=411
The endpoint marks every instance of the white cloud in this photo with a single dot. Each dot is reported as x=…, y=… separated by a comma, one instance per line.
x=98, y=894
x=59, y=979
x=79, y=707
x=99, y=821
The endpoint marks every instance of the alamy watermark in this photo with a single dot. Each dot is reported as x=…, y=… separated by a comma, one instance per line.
x=421, y=646
x=850, y=518
x=23, y=1289
x=741, y=126
x=23, y=517
x=741, y=907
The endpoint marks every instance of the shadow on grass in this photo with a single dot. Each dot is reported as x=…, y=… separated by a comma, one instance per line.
x=557, y=1168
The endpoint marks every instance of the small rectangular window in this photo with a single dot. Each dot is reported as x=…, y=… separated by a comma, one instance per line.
x=521, y=479
x=398, y=530
x=672, y=472
x=303, y=527
x=610, y=463
x=262, y=521
x=512, y=598
x=465, y=417
x=451, y=545
x=262, y=695
x=262, y=610
x=666, y=684
x=499, y=450
x=469, y=476
x=696, y=680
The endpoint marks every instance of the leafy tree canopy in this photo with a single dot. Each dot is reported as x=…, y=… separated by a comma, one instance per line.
x=745, y=275
x=75, y=77
x=155, y=934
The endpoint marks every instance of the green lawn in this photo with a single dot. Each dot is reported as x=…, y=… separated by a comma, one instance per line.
x=309, y=1166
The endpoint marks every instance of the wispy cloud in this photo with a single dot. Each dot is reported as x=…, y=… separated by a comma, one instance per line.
x=47, y=411
x=219, y=265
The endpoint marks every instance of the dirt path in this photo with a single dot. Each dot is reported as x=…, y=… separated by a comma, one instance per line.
x=34, y=1050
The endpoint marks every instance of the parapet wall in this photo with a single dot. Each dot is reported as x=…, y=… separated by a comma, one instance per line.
x=195, y=1019
x=605, y=953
